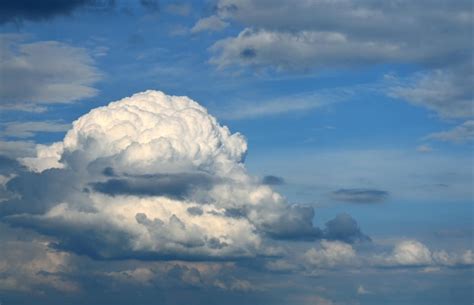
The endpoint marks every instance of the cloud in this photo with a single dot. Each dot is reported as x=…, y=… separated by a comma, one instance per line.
x=424, y=148
x=360, y=195
x=319, y=35
x=31, y=10
x=361, y=290
x=29, y=129
x=459, y=134
x=344, y=228
x=152, y=176
x=239, y=110
x=332, y=254
x=297, y=51
x=407, y=253
x=45, y=72
x=212, y=23
x=447, y=92
x=345, y=32
x=273, y=180
x=17, y=149
x=412, y=253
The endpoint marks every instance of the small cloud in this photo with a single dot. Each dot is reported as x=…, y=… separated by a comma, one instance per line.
x=424, y=148
x=361, y=290
x=273, y=180
x=212, y=23
x=360, y=195
x=459, y=134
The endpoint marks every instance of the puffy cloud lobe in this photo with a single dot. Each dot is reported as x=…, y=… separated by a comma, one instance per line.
x=152, y=177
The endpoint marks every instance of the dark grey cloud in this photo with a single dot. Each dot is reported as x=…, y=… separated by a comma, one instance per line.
x=177, y=186
x=360, y=195
x=344, y=228
x=39, y=192
x=31, y=10
x=295, y=224
x=273, y=180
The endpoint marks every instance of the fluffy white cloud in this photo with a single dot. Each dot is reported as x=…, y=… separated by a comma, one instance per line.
x=154, y=176
x=151, y=132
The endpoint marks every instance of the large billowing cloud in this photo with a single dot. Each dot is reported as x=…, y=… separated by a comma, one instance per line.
x=152, y=177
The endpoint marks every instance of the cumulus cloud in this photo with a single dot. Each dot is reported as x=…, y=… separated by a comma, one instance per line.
x=343, y=227
x=405, y=254
x=331, y=254
x=36, y=74
x=152, y=177
x=308, y=29
x=412, y=253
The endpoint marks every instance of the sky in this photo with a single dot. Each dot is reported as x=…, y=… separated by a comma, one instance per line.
x=236, y=152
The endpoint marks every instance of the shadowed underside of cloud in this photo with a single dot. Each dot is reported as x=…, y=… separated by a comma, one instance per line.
x=360, y=195
x=178, y=186
x=156, y=177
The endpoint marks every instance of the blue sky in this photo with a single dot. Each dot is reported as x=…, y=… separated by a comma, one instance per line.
x=362, y=109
